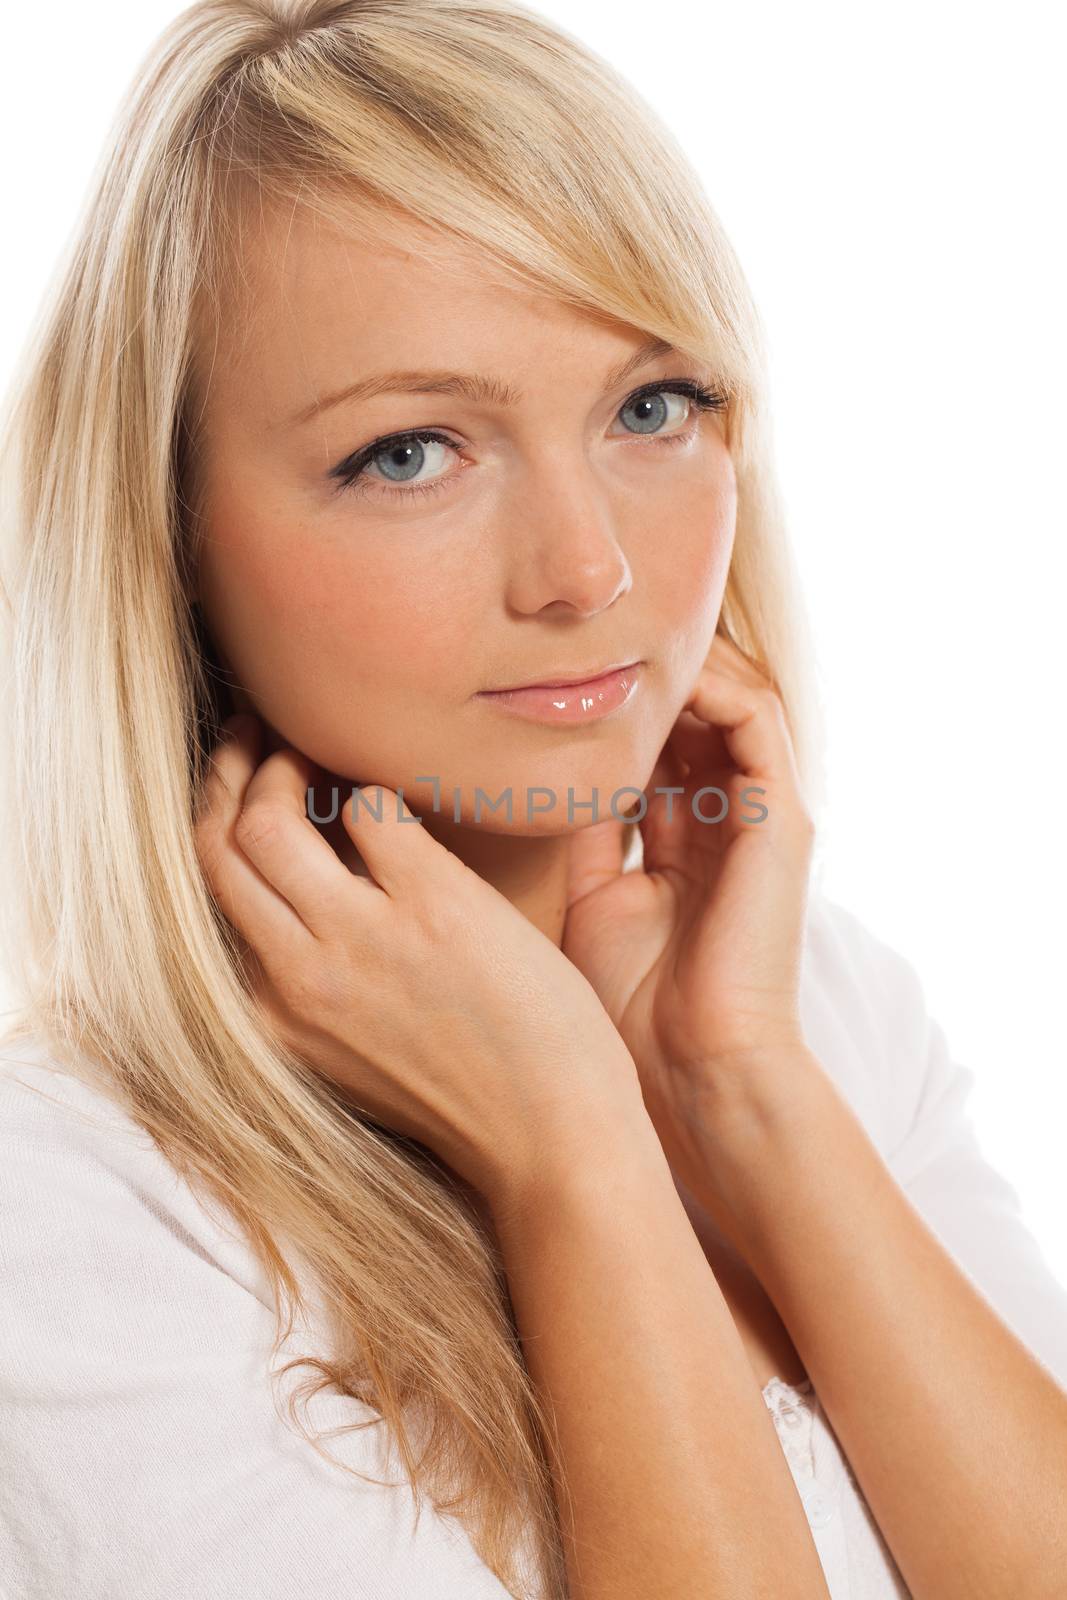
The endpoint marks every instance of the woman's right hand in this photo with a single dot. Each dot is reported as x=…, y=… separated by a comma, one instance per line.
x=441, y=1010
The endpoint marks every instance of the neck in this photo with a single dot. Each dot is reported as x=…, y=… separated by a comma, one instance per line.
x=531, y=872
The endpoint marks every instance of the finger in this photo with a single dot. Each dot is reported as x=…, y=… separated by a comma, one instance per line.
x=752, y=723
x=259, y=913
x=665, y=827
x=397, y=849
x=700, y=747
x=279, y=838
x=692, y=741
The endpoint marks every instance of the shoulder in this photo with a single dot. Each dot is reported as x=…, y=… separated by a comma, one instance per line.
x=84, y=1185
x=71, y=1102
x=54, y=1121
x=144, y=1429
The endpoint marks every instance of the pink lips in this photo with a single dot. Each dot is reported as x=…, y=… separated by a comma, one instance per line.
x=571, y=702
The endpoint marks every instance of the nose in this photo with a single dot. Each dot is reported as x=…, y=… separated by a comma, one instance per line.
x=566, y=549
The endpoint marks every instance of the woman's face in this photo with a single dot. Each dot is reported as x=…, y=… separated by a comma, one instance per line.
x=551, y=530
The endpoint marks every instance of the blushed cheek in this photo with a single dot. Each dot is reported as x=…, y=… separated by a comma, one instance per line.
x=387, y=623
x=336, y=648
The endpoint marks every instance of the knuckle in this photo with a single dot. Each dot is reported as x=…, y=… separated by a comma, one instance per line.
x=430, y=927
x=300, y=987
x=311, y=985
x=438, y=920
x=259, y=824
x=326, y=906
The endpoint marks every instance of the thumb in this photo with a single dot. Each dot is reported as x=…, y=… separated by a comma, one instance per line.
x=596, y=857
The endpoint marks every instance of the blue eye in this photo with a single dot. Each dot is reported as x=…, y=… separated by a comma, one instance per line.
x=396, y=460
x=400, y=461
x=651, y=410
x=399, y=457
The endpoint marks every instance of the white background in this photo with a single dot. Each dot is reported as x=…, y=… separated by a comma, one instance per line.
x=892, y=178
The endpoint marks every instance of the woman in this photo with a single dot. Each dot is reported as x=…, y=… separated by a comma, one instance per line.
x=619, y=1195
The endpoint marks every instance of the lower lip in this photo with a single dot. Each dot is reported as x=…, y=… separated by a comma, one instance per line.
x=571, y=702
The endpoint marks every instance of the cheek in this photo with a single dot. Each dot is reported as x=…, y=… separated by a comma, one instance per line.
x=279, y=593
x=389, y=618
x=315, y=627
x=688, y=560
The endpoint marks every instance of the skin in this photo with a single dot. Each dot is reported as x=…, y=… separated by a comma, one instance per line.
x=566, y=541
x=562, y=538
x=793, y=1202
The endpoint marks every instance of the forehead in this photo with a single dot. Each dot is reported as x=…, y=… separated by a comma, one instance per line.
x=299, y=250
x=314, y=302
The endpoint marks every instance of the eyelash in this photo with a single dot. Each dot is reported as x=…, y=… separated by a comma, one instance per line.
x=351, y=469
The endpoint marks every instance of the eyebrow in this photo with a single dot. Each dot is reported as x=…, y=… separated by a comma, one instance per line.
x=467, y=385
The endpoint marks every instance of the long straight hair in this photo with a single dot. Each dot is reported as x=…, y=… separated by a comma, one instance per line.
x=484, y=121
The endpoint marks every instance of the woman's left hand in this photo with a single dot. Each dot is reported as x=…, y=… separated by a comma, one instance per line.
x=696, y=957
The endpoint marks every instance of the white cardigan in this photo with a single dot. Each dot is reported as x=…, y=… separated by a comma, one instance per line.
x=140, y=1450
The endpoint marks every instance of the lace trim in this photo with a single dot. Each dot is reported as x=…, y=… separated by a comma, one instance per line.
x=777, y=1384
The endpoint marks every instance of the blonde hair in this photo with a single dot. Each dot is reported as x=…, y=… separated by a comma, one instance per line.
x=482, y=120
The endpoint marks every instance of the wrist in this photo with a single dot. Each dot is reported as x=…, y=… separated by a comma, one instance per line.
x=753, y=1093
x=581, y=1161
x=743, y=1128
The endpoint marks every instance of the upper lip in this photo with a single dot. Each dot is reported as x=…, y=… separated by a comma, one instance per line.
x=560, y=682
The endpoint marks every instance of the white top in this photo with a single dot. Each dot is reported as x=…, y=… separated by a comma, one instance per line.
x=140, y=1449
